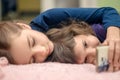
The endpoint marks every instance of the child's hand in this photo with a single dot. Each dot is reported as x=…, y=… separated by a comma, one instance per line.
x=3, y=61
x=113, y=41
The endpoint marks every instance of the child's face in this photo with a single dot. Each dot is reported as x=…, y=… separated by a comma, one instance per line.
x=85, y=48
x=31, y=47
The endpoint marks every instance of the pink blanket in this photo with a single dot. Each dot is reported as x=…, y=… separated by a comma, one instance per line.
x=54, y=71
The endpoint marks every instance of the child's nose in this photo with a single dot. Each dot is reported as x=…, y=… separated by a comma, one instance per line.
x=39, y=50
x=92, y=51
x=91, y=56
x=39, y=53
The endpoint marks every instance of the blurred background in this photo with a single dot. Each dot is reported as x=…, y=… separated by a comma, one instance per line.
x=26, y=10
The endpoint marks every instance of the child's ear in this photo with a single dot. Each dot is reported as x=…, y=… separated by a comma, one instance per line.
x=24, y=25
x=3, y=61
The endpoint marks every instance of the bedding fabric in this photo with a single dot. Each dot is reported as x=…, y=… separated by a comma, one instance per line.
x=54, y=71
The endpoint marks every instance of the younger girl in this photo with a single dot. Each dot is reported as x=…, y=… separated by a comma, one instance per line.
x=79, y=39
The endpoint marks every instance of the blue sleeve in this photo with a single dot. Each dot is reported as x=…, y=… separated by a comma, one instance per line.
x=106, y=16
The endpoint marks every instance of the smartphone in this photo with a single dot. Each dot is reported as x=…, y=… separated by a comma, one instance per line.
x=102, y=59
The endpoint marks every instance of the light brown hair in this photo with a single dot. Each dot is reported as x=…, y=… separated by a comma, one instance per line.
x=63, y=39
x=7, y=30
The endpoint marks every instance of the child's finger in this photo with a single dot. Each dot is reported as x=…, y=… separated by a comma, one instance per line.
x=117, y=57
x=110, y=69
x=116, y=69
x=111, y=56
x=111, y=52
x=105, y=43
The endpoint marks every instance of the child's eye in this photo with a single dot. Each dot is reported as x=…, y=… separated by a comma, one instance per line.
x=85, y=44
x=33, y=42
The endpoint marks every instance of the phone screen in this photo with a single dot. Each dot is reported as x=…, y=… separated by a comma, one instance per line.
x=102, y=59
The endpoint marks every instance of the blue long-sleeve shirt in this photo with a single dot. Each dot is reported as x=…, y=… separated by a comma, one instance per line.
x=106, y=16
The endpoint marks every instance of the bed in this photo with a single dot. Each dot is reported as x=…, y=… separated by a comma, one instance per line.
x=53, y=71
